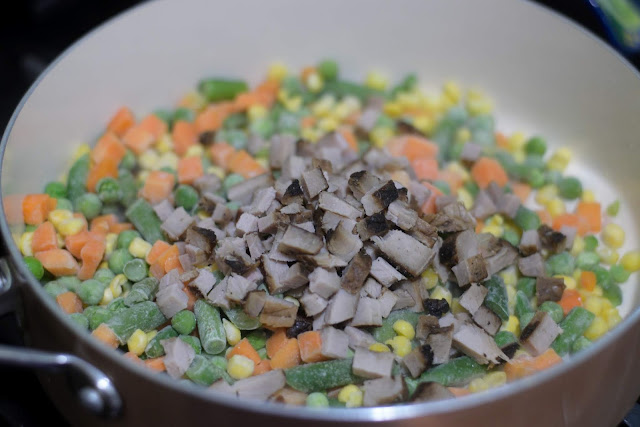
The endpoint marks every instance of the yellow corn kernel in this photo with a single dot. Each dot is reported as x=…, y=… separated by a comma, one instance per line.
x=509, y=277
x=25, y=243
x=608, y=256
x=457, y=168
x=463, y=135
x=379, y=348
x=107, y=296
x=400, y=344
x=323, y=106
x=277, y=71
x=512, y=325
x=480, y=104
x=465, y=198
x=401, y=177
x=612, y=317
x=217, y=171
x=376, y=80
x=496, y=230
x=264, y=162
x=328, y=124
x=164, y=144
x=293, y=104
x=516, y=142
x=80, y=151
x=452, y=91
x=588, y=196
x=456, y=308
x=424, y=123
x=631, y=261
x=496, y=220
x=430, y=278
x=495, y=379
x=137, y=342
x=408, y=100
x=511, y=297
x=560, y=159
x=151, y=335
x=546, y=194
x=477, y=385
x=195, y=150
x=71, y=226
x=597, y=328
x=351, y=395
x=555, y=207
x=576, y=274
x=380, y=136
x=59, y=240
x=256, y=112
x=350, y=104
x=569, y=282
x=519, y=156
x=110, y=243
x=393, y=109
x=440, y=292
x=103, y=264
x=404, y=328
x=310, y=134
x=193, y=100
x=606, y=304
x=58, y=216
x=139, y=247
x=240, y=367
x=433, y=102
x=613, y=236
x=116, y=284
x=233, y=333
x=578, y=246
x=148, y=159
x=168, y=160
x=314, y=82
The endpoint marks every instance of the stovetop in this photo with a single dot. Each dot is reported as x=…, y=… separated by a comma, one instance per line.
x=33, y=33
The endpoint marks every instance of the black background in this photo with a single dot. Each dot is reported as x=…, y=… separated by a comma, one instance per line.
x=32, y=34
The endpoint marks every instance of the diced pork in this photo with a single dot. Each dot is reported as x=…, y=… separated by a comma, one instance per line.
x=330, y=202
x=405, y=251
x=164, y=209
x=487, y=320
x=342, y=243
x=370, y=364
x=313, y=183
x=341, y=307
x=335, y=343
x=178, y=356
x=312, y=303
x=532, y=266
x=356, y=272
x=204, y=282
x=382, y=391
x=296, y=240
x=238, y=287
x=385, y=273
x=278, y=313
x=387, y=301
x=367, y=313
x=529, y=242
x=473, y=298
x=324, y=282
x=172, y=299
x=549, y=289
x=358, y=337
x=476, y=343
x=177, y=223
x=247, y=223
x=431, y=392
x=539, y=333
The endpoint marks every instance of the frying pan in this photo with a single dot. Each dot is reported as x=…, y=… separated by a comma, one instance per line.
x=547, y=76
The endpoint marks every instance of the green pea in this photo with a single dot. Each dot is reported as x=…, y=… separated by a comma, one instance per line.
x=317, y=400
x=89, y=205
x=570, y=188
x=64, y=204
x=56, y=189
x=128, y=161
x=184, y=322
x=108, y=190
x=442, y=186
x=104, y=275
x=527, y=285
x=527, y=219
x=235, y=121
x=553, y=309
x=536, y=145
x=231, y=180
x=183, y=114
x=80, y=320
x=70, y=282
x=54, y=288
x=257, y=339
x=619, y=274
x=262, y=353
x=91, y=291
x=328, y=70
x=535, y=178
x=118, y=259
x=264, y=127
x=471, y=187
x=587, y=259
x=613, y=208
x=590, y=243
x=552, y=176
x=186, y=196
x=135, y=270
x=34, y=266
x=125, y=238
x=562, y=263
x=534, y=161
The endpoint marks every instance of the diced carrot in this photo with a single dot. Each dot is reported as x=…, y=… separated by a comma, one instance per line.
x=454, y=179
x=352, y=118
x=570, y=299
x=395, y=146
x=108, y=146
x=156, y=364
x=158, y=186
x=350, y=137
x=588, y=280
x=91, y=255
x=75, y=243
x=417, y=147
x=244, y=164
x=211, y=118
x=184, y=136
x=220, y=153
x=138, y=139
x=121, y=121
x=307, y=122
x=158, y=248
x=154, y=125
x=80, y=216
x=173, y=262
x=525, y=366
x=591, y=212
x=479, y=226
x=571, y=220
x=172, y=251
x=459, y=391
x=191, y=295
x=13, y=209
x=545, y=216
x=487, y=170
x=44, y=238
x=521, y=190
x=133, y=357
x=310, y=344
x=306, y=72
x=58, y=262
x=106, y=168
x=501, y=140
x=120, y=227
x=105, y=334
x=244, y=100
x=276, y=341
x=156, y=270
x=425, y=168
x=288, y=356
x=262, y=367
x=429, y=207
x=244, y=348
x=103, y=223
x=189, y=169
x=36, y=208
x=69, y=302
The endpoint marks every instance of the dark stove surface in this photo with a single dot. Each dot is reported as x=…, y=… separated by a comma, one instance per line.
x=33, y=33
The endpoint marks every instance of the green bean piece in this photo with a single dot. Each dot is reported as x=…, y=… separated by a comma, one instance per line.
x=64, y=204
x=533, y=161
x=472, y=188
x=527, y=285
x=504, y=338
x=602, y=274
x=405, y=85
x=264, y=127
x=573, y=326
x=527, y=219
x=118, y=259
x=164, y=115
x=215, y=90
x=125, y=238
x=91, y=291
x=184, y=322
x=212, y=334
x=29, y=228
x=110, y=208
x=194, y=342
x=145, y=316
x=80, y=319
x=497, y=299
x=104, y=275
x=321, y=376
x=128, y=188
x=128, y=161
x=341, y=88
x=108, y=190
x=590, y=243
x=154, y=348
x=262, y=353
x=183, y=114
x=570, y=188
x=328, y=70
x=512, y=237
x=145, y=220
x=97, y=315
x=553, y=309
x=219, y=361
x=456, y=372
x=580, y=344
x=526, y=318
x=89, y=205
x=54, y=288
x=536, y=145
x=242, y=320
x=77, y=178
x=335, y=403
x=135, y=270
x=34, y=266
x=442, y=186
x=613, y=209
x=618, y=273
x=523, y=305
x=117, y=304
x=386, y=332
x=186, y=196
x=587, y=259
x=231, y=180
x=235, y=121
x=203, y=372
x=257, y=339
x=562, y=263
x=56, y=189
x=144, y=290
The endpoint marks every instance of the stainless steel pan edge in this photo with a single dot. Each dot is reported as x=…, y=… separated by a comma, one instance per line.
x=576, y=393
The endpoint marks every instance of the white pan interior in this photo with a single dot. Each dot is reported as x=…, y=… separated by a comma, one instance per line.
x=546, y=76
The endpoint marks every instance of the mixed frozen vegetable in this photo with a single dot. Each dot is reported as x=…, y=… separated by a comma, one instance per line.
x=318, y=242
